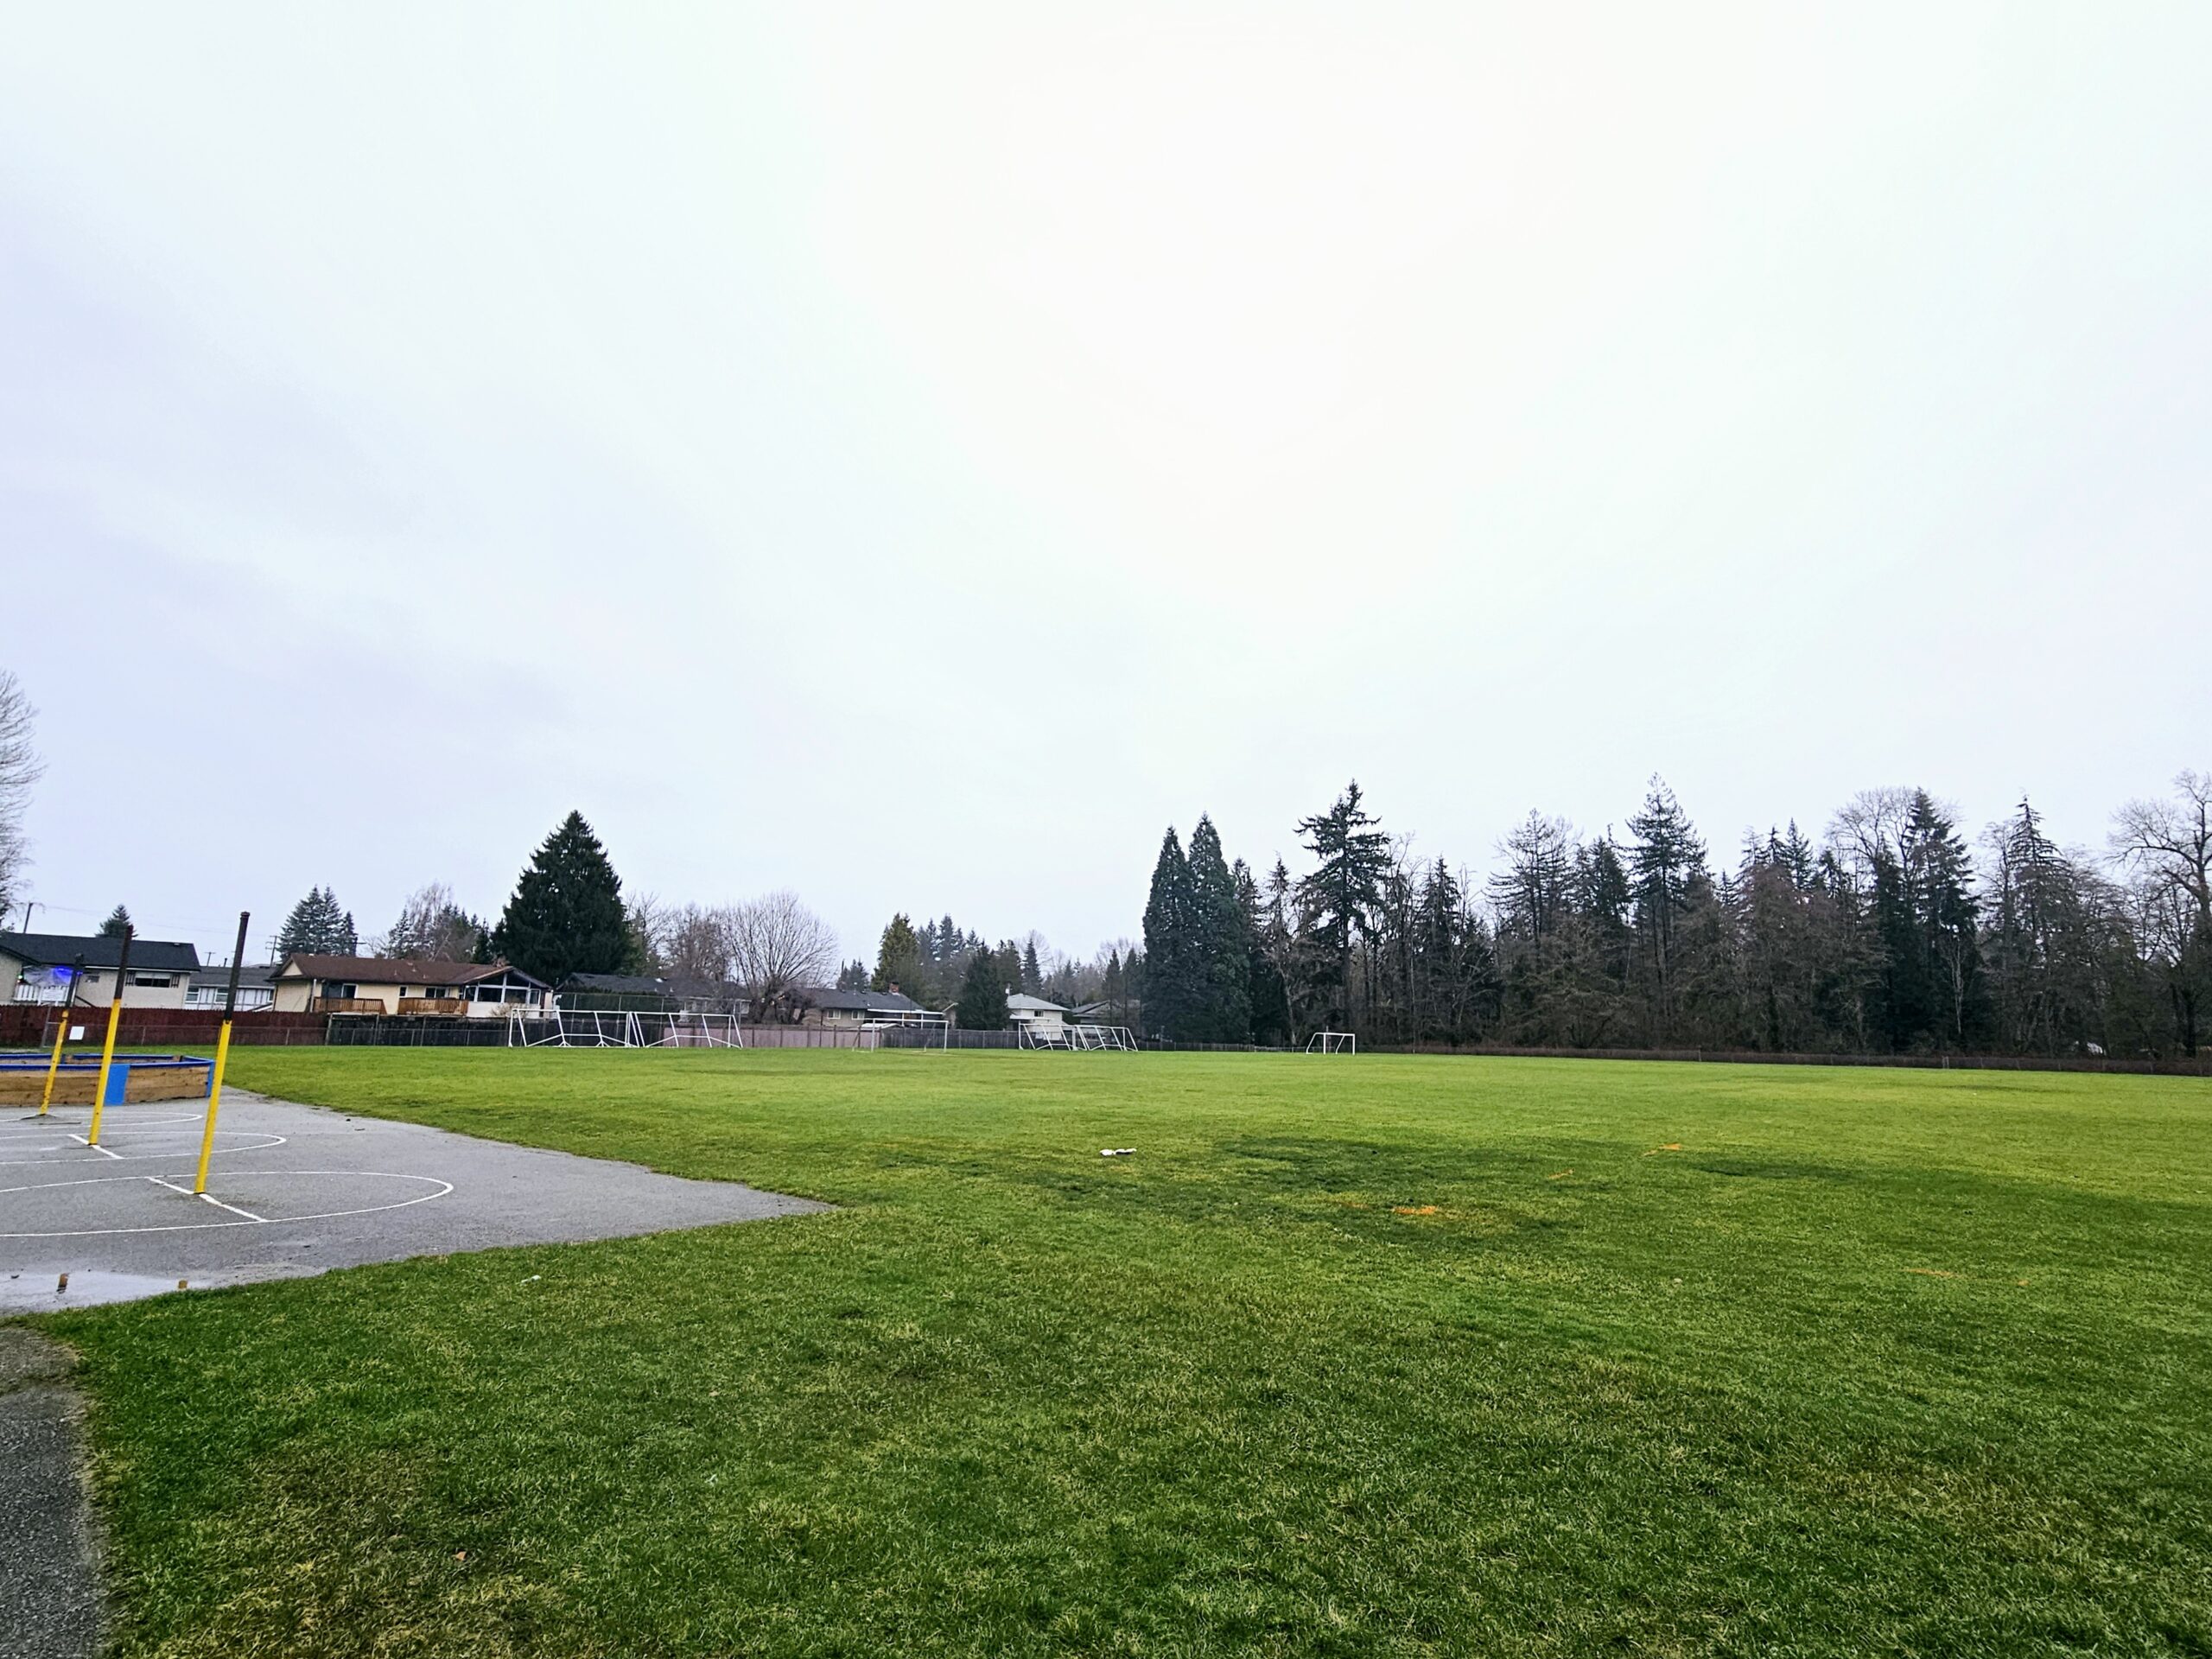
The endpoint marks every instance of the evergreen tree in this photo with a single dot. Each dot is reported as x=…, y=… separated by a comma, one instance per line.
x=118, y=924
x=1940, y=876
x=1532, y=895
x=566, y=915
x=898, y=957
x=982, y=994
x=2054, y=944
x=1664, y=859
x=1269, y=997
x=1351, y=856
x=1442, y=995
x=852, y=977
x=1901, y=994
x=318, y=926
x=1009, y=955
x=1276, y=937
x=1032, y=976
x=1171, y=968
x=1604, y=899
x=1221, y=950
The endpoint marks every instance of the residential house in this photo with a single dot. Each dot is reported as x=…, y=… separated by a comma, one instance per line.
x=397, y=985
x=38, y=968
x=257, y=988
x=1041, y=1018
x=850, y=1009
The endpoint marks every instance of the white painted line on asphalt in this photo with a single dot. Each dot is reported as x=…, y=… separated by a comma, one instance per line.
x=443, y=1188
x=211, y=1198
x=186, y=1191
x=267, y=1142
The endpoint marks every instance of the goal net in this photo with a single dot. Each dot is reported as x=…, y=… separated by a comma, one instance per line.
x=1075, y=1036
x=594, y=1029
x=936, y=1028
x=1332, y=1042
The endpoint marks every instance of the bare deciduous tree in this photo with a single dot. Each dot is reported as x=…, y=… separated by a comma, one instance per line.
x=20, y=767
x=1869, y=827
x=778, y=945
x=694, y=947
x=2165, y=849
x=433, y=928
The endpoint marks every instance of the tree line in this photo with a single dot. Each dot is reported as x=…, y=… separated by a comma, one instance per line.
x=942, y=966
x=1891, y=933
x=568, y=915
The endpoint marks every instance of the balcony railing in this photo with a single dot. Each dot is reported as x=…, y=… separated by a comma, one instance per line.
x=449, y=1005
x=347, y=1005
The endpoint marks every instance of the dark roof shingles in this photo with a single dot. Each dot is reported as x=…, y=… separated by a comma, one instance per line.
x=101, y=951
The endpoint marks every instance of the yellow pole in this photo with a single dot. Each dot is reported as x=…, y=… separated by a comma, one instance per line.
x=61, y=1036
x=107, y=1060
x=222, y=1058
x=54, y=1065
x=107, y=1050
x=214, y=1100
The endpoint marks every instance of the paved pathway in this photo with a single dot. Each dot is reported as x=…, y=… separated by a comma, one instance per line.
x=50, y=1571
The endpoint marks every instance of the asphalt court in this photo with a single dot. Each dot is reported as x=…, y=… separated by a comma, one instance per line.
x=295, y=1189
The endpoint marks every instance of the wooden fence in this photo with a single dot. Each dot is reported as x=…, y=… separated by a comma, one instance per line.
x=27, y=1024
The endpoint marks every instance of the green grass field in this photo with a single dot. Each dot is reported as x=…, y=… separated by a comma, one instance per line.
x=1363, y=1356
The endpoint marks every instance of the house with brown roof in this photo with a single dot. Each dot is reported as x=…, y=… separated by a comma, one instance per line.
x=402, y=985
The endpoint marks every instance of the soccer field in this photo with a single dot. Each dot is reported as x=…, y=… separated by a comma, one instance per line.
x=1353, y=1356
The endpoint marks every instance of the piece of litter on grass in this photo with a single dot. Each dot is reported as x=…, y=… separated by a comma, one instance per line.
x=531, y=1279
x=1116, y=1152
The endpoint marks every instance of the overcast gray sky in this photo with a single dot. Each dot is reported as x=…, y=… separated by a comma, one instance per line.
x=911, y=455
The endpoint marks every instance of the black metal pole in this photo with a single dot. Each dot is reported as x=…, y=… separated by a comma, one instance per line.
x=237, y=956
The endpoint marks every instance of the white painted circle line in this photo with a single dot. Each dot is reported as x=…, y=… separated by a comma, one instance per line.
x=443, y=1188
x=266, y=1141
x=63, y=1118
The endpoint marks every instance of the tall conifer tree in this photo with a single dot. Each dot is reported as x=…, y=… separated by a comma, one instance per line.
x=899, y=958
x=566, y=914
x=982, y=994
x=1168, y=947
x=1351, y=857
x=318, y=925
x=1220, y=980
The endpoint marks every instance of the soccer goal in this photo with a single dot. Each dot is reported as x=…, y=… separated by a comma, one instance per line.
x=1066, y=1036
x=1332, y=1042
x=613, y=1028
x=936, y=1026
x=1102, y=1037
